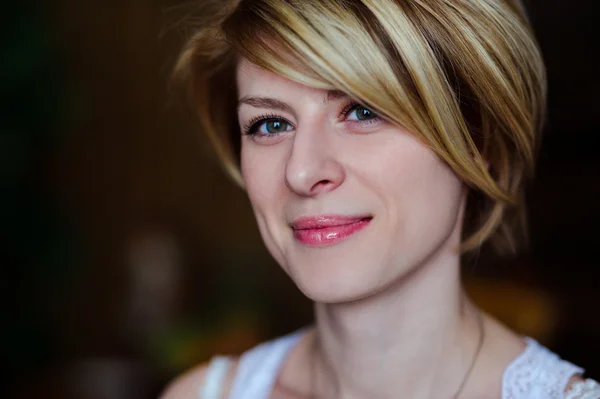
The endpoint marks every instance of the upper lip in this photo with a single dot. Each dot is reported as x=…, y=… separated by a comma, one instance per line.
x=323, y=221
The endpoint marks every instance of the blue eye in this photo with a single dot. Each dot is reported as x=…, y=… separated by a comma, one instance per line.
x=268, y=126
x=360, y=113
x=274, y=126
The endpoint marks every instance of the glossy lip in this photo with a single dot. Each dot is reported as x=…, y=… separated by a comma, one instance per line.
x=323, y=230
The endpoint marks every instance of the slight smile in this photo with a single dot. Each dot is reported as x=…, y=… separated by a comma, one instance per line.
x=319, y=231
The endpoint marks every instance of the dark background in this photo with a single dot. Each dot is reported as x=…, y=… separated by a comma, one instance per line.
x=128, y=254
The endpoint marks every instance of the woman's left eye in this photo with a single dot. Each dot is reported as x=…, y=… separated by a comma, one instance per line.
x=360, y=113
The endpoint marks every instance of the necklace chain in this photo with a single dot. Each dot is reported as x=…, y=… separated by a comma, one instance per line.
x=481, y=328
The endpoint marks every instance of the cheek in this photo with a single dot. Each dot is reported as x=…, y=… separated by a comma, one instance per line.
x=262, y=176
x=264, y=180
x=427, y=180
x=419, y=190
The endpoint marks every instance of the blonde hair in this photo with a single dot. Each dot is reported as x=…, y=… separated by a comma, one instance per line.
x=464, y=76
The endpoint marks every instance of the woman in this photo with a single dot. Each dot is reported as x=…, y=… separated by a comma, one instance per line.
x=378, y=140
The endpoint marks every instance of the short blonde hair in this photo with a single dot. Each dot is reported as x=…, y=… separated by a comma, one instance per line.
x=464, y=76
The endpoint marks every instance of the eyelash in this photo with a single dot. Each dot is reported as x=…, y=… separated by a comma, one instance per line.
x=251, y=128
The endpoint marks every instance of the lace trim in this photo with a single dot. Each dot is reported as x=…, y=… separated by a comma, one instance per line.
x=537, y=373
x=588, y=389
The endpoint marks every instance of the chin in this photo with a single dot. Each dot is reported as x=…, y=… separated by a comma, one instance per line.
x=338, y=280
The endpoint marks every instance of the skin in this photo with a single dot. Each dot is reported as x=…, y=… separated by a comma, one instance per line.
x=326, y=165
x=389, y=297
x=391, y=314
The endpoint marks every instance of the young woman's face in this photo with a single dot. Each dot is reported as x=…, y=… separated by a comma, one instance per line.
x=346, y=202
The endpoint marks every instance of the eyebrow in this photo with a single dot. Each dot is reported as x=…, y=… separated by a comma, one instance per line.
x=272, y=103
x=334, y=95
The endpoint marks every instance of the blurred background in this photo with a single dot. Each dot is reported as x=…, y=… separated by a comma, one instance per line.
x=129, y=256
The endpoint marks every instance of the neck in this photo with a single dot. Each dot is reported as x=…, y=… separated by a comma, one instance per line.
x=417, y=337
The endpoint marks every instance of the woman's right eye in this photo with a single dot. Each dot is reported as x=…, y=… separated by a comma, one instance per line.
x=268, y=127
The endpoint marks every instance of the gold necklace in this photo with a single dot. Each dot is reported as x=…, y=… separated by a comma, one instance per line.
x=481, y=328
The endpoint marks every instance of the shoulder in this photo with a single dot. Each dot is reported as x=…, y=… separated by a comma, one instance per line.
x=540, y=373
x=262, y=360
x=580, y=388
x=188, y=384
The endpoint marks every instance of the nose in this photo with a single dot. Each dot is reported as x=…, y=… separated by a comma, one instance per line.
x=313, y=166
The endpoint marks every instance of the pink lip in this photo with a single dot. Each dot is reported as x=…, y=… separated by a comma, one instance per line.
x=327, y=229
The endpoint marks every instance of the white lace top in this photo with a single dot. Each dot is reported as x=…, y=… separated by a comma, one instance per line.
x=536, y=373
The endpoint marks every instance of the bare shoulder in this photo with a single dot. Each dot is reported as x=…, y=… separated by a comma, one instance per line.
x=187, y=385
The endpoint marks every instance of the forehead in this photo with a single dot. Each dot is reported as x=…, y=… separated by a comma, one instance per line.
x=254, y=80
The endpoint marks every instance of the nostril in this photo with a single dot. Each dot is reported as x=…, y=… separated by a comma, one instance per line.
x=322, y=185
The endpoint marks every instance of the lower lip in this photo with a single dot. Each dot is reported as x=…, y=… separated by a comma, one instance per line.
x=329, y=235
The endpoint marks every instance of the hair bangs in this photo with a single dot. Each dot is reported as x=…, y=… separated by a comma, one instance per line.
x=466, y=77
x=327, y=45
